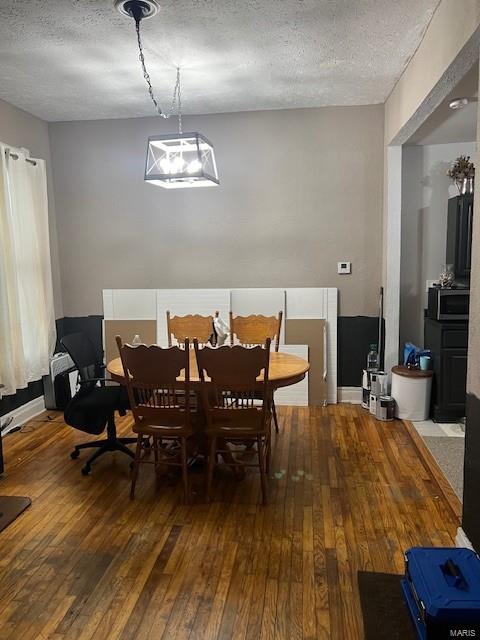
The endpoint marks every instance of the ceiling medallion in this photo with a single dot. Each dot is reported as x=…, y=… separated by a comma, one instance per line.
x=129, y=8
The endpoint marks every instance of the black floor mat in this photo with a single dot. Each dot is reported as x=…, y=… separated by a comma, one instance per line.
x=10, y=508
x=385, y=613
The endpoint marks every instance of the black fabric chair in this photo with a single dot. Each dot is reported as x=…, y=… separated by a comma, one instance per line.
x=93, y=406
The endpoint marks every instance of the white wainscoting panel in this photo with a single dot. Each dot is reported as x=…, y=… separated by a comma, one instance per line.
x=306, y=303
x=296, y=303
x=130, y=304
x=266, y=302
x=108, y=304
x=296, y=394
x=303, y=303
x=182, y=302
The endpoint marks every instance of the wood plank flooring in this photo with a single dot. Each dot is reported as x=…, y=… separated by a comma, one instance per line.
x=347, y=493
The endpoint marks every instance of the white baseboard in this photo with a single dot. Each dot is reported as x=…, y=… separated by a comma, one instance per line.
x=461, y=539
x=23, y=414
x=351, y=395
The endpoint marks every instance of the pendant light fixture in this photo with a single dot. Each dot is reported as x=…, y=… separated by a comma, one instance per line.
x=178, y=160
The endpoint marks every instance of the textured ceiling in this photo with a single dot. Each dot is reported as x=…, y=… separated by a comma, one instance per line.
x=77, y=59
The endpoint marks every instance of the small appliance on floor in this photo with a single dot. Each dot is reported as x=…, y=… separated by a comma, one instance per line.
x=442, y=591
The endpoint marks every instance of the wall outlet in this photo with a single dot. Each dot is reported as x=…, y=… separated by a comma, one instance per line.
x=344, y=267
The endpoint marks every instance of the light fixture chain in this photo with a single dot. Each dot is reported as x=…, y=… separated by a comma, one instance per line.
x=179, y=101
x=145, y=72
x=177, y=93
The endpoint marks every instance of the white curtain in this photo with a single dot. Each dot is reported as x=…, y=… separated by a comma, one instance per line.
x=27, y=317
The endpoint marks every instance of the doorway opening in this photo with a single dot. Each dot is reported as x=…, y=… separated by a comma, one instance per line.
x=436, y=227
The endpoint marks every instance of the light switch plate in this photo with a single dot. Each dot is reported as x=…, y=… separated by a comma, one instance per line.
x=344, y=267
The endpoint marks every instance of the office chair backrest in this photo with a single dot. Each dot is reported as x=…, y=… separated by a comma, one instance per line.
x=155, y=394
x=84, y=355
x=91, y=407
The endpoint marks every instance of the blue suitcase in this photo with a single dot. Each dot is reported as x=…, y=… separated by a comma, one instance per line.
x=442, y=591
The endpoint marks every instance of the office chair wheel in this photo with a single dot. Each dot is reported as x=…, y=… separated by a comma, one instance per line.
x=86, y=470
x=74, y=455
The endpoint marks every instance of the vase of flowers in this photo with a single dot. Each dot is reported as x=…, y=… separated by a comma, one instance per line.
x=462, y=172
x=447, y=276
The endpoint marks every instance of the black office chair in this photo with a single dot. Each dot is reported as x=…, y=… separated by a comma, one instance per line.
x=93, y=406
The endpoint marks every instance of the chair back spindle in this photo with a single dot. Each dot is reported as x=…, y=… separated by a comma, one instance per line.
x=232, y=385
x=156, y=396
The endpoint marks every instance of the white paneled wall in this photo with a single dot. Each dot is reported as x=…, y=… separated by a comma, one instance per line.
x=182, y=302
x=296, y=303
x=265, y=302
x=296, y=394
x=130, y=304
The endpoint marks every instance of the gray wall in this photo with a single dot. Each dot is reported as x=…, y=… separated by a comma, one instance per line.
x=20, y=129
x=426, y=189
x=471, y=513
x=300, y=190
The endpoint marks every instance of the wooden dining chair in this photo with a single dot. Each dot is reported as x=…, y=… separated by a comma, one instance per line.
x=254, y=330
x=161, y=405
x=230, y=391
x=191, y=326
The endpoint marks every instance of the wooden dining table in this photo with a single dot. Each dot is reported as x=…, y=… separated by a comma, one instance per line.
x=285, y=369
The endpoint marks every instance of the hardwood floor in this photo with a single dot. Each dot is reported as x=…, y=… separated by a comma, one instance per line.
x=347, y=493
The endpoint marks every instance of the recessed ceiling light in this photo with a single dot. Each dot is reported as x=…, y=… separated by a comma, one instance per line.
x=458, y=103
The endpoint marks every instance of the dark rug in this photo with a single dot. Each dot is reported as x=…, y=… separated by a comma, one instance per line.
x=10, y=508
x=385, y=613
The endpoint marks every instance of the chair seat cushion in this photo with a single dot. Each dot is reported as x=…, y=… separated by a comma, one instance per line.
x=159, y=431
x=90, y=408
x=235, y=433
x=178, y=429
x=109, y=397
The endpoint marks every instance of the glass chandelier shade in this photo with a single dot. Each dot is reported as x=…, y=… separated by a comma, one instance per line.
x=179, y=161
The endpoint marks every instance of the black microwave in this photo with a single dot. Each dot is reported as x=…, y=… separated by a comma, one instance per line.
x=448, y=304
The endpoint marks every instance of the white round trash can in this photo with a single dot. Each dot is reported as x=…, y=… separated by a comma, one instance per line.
x=411, y=389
